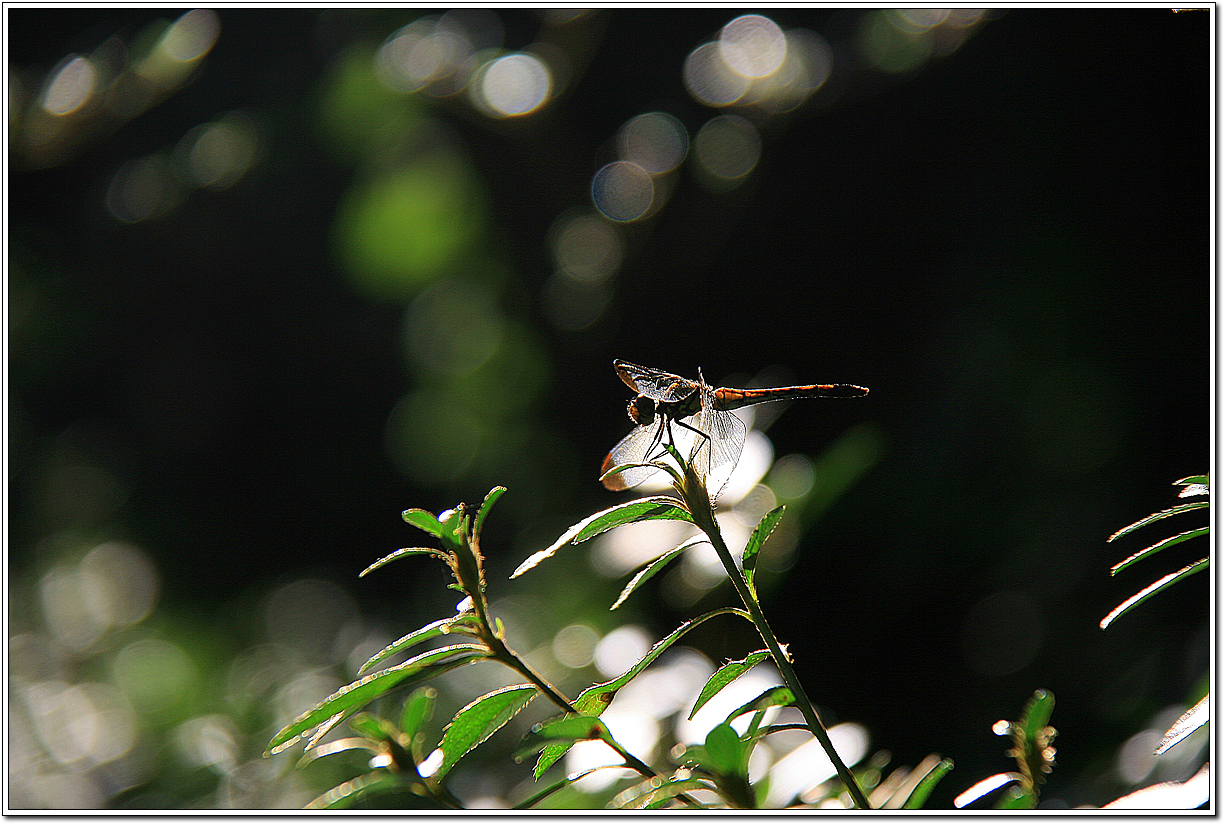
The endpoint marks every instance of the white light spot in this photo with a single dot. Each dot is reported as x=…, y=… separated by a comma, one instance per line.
x=514, y=85
x=191, y=36
x=70, y=85
x=752, y=46
x=709, y=80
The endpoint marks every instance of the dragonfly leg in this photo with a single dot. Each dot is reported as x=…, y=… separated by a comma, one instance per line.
x=694, y=430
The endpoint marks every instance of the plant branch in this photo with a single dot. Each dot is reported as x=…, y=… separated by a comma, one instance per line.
x=697, y=498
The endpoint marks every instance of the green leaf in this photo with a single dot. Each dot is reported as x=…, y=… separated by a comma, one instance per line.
x=1194, y=480
x=338, y=746
x=725, y=674
x=374, y=727
x=490, y=499
x=1017, y=797
x=648, y=571
x=772, y=697
x=658, y=507
x=1156, y=547
x=1037, y=714
x=985, y=787
x=423, y=520
x=1150, y=590
x=1157, y=516
x=350, y=792
x=359, y=693
x=725, y=754
x=595, y=699
x=570, y=729
x=456, y=624
x=418, y=709
x=1190, y=721
x=922, y=791
x=402, y=553
x=473, y=724
x=753, y=548
x=673, y=787
x=528, y=803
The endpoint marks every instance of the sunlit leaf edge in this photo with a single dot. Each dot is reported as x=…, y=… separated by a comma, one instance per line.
x=457, y=624
x=923, y=789
x=362, y=691
x=424, y=521
x=1153, y=588
x=647, y=572
x=658, y=507
x=350, y=792
x=1159, y=545
x=724, y=675
x=1189, y=721
x=756, y=540
x=475, y=723
x=1158, y=516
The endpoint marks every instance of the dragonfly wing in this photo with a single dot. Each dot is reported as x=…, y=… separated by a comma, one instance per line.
x=716, y=455
x=654, y=383
x=635, y=447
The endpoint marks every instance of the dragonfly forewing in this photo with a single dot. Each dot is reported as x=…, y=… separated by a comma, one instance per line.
x=636, y=447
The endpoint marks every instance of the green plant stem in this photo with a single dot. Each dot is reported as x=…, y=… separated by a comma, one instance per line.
x=703, y=516
x=507, y=656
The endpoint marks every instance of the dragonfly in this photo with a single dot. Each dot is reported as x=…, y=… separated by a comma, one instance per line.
x=703, y=413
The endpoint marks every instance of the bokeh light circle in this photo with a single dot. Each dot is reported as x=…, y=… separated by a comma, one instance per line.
x=622, y=191
x=708, y=78
x=513, y=85
x=752, y=46
x=727, y=149
x=656, y=141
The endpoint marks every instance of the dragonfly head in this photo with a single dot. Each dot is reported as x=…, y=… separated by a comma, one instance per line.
x=642, y=410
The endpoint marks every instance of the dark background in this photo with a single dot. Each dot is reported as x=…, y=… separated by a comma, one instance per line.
x=1010, y=246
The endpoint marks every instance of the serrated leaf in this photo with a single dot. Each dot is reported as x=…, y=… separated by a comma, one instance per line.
x=422, y=520
x=772, y=697
x=402, y=553
x=918, y=796
x=571, y=729
x=657, y=507
x=418, y=709
x=595, y=699
x=647, y=572
x=446, y=626
x=1150, y=590
x=724, y=675
x=1156, y=547
x=1190, y=721
x=473, y=724
x=753, y=548
x=359, y=693
x=1158, y=516
x=490, y=499
x=350, y=792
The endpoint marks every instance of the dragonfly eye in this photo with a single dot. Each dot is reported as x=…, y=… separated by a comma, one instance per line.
x=642, y=410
